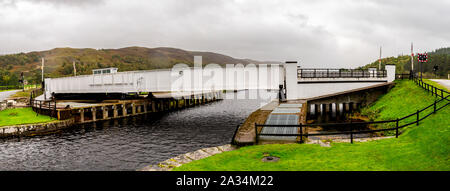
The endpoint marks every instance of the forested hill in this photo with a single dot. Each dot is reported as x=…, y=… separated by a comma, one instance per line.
x=439, y=57
x=58, y=61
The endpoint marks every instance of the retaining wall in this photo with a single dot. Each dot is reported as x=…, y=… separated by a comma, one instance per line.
x=34, y=129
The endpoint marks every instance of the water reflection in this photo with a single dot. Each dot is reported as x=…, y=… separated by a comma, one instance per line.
x=131, y=143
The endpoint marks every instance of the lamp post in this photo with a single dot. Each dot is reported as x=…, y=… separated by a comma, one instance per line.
x=42, y=82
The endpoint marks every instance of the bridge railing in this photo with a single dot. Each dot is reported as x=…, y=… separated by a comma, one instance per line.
x=403, y=76
x=413, y=118
x=44, y=107
x=339, y=73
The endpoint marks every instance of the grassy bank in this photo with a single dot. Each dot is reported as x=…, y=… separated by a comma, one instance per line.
x=21, y=116
x=425, y=147
x=404, y=99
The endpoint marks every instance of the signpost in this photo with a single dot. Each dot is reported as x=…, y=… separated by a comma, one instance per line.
x=422, y=58
x=412, y=59
x=21, y=80
x=435, y=69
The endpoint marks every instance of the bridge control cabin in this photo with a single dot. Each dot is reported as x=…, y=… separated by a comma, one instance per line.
x=104, y=71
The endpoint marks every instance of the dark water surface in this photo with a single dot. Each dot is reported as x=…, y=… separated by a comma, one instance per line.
x=130, y=143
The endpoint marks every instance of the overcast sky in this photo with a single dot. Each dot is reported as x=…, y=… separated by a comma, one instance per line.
x=332, y=33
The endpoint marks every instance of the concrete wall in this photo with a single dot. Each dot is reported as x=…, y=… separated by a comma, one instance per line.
x=307, y=88
x=33, y=129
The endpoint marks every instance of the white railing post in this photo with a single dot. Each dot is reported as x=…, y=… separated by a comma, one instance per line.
x=390, y=73
x=291, y=78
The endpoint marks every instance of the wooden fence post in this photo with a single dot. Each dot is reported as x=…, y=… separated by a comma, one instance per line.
x=56, y=113
x=351, y=132
x=256, y=134
x=396, y=129
x=351, y=137
x=301, y=133
x=417, y=124
x=434, y=106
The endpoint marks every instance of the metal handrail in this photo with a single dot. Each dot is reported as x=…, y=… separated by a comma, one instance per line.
x=339, y=73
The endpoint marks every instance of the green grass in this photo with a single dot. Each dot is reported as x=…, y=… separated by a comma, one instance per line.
x=404, y=99
x=21, y=116
x=423, y=147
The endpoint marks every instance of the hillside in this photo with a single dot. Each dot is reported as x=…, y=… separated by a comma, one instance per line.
x=58, y=61
x=439, y=57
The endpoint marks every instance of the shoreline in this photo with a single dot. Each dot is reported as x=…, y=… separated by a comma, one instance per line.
x=34, y=129
x=179, y=160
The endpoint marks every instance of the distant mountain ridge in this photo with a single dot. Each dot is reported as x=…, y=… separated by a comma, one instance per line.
x=58, y=61
x=439, y=57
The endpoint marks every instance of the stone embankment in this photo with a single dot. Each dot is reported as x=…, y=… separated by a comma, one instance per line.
x=326, y=142
x=34, y=129
x=179, y=160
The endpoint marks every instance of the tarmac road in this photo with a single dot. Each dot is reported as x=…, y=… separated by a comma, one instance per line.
x=6, y=94
x=445, y=83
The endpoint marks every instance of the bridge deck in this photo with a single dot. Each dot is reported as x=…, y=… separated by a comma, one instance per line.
x=246, y=132
x=350, y=91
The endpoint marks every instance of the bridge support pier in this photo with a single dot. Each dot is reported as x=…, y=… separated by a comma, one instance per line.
x=153, y=106
x=94, y=114
x=105, y=112
x=139, y=108
x=333, y=110
x=133, y=109
x=322, y=109
x=338, y=109
x=346, y=107
x=327, y=109
x=317, y=109
x=116, y=111
x=82, y=115
x=124, y=109
x=161, y=105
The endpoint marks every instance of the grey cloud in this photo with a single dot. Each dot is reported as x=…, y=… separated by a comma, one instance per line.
x=55, y=2
x=319, y=33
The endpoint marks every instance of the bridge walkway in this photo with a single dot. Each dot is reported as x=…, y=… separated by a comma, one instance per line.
x=290, y=112
x=284, y=114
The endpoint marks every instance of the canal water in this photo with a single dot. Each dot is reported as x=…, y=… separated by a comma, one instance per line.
x=131, y=143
